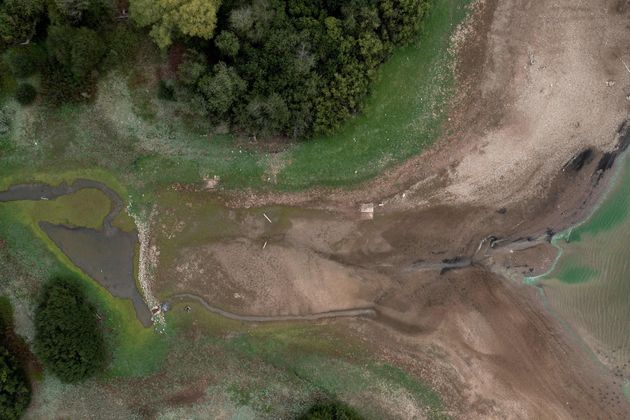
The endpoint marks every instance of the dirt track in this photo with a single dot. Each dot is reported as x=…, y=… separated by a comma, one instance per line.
x=536, y=88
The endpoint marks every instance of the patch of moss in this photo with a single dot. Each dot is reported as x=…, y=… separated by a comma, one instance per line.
x=86, y=208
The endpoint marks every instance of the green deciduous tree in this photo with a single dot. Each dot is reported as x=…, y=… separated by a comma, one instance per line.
x=25, y=93
x=70, y=10
x=68, y=339
x=266, y=116
x=90, y=13
x=192, y=68
x=79, y=50
x=195, y=18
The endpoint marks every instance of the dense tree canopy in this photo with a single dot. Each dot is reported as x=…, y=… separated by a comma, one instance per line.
x=77, y=49
x=15, y=389
x=195, y=18
x=294, y=67
x=68, y=339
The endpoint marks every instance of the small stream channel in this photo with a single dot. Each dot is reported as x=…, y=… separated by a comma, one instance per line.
x=106, y=255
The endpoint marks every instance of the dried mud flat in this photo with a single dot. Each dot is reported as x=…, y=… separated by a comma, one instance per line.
x=540, y=83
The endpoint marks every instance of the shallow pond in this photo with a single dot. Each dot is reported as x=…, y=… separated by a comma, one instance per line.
x=107, y=255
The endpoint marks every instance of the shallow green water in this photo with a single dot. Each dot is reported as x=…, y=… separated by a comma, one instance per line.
x=589, y=287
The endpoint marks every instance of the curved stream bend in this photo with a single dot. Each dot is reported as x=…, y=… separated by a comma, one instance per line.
x=342, y=313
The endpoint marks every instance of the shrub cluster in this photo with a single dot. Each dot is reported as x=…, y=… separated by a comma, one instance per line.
x=68, y=339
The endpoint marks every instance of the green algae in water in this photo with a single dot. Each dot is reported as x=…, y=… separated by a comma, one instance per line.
x=589, y=286
x=575, y=274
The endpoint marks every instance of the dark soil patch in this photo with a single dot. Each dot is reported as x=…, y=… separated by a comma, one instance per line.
x=578, y=162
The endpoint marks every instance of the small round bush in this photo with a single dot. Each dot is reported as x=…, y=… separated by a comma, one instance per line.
x=330, y=410
x=25, y=94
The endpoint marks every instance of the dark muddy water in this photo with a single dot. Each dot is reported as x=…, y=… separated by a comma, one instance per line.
x=106, y=255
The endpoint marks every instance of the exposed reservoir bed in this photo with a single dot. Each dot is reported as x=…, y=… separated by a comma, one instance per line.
x=105, y=254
